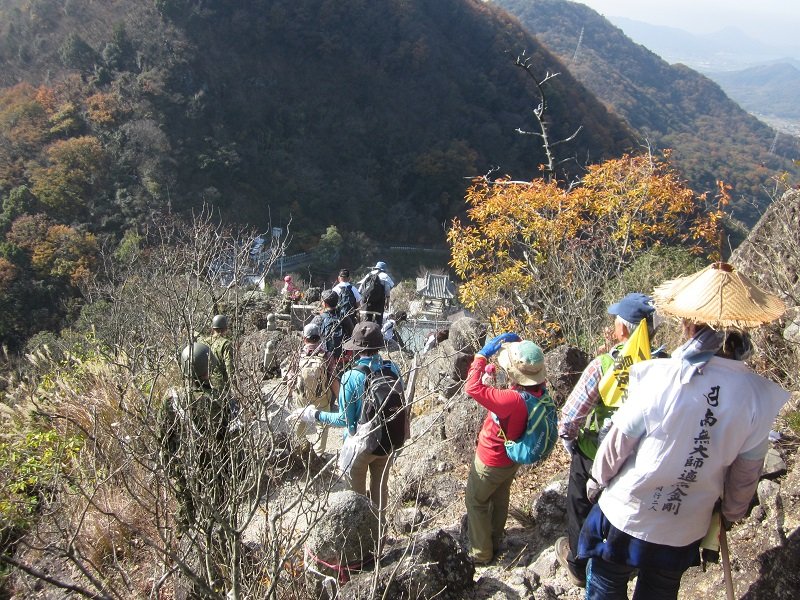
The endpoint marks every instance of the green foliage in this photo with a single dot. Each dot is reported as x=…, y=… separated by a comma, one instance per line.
x=76, y=53
x=129, y=247
x=73, y=179
x=652, y=268
x=118, y=53
x=29, y=462
x=19, y=201
x=329, y=249
x=66, y=121
x=793, y=421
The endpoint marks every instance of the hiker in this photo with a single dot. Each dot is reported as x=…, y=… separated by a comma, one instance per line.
x=193, y=426
x=391, y=337
x=349, y=299
x=695, y=427
x=310, y=379
x=365, y=343
x=221, y=374
x=330, y=327
x=290, y=291
x=434, y=339
x=375, y=288
x=492, y=471
x=582, y=417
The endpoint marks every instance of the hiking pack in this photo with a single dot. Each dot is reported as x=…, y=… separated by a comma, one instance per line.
x=373, y=292
x=347, y=301
x=383, y=410
x=331, y=333
x=541, y=431
x=311, y=381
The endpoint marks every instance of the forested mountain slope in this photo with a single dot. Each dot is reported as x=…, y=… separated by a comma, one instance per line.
x=674, y=107
x=331, y=112
x=371, y=116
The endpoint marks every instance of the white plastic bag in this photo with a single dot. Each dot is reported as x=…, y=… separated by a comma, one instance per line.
x=364, y=440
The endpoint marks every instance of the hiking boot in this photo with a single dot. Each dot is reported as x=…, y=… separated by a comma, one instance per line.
x=562, y=555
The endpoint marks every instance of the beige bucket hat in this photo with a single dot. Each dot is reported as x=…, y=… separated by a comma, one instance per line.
x=718, y=296
x=524, y=362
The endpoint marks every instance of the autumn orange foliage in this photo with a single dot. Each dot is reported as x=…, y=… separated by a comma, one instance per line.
x=534, y=251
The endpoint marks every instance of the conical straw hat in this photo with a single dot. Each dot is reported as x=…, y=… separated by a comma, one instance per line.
x=719, y=297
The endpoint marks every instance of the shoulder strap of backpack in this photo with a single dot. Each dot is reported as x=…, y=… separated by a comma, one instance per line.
x=496, y=419
x=363, y=369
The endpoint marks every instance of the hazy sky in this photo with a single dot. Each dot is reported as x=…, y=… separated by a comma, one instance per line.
x=771, y=21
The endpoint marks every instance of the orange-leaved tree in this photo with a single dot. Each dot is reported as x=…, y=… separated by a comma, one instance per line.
x=535, y=257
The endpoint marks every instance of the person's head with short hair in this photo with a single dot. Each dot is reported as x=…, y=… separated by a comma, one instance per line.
x=366, y=340
x=330, y=299
x=311, y=333
x=629, y=312
x=523, y=363
x=344, y=275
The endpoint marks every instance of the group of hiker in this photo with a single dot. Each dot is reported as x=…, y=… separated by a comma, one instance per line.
x=341, y=380
x=654, y=452
x=656, y=441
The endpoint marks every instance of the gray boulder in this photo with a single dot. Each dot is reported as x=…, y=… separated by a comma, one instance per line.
x=422, y=472
x=432, y=566
x=564, y=367
x=347, y=534
x=774, y=465
x=549, y=511
x=462, y=423
x=467, y=335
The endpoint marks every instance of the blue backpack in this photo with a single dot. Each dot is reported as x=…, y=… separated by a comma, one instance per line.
x=541, y=431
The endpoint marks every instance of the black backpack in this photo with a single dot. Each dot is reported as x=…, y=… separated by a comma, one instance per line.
x=384, y=401
x=347, y=301
x=373, y=292
x=331, y=333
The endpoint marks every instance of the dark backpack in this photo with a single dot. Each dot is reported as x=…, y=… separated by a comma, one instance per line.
x=384, y=402
x=373, y=292
x=331, y=333
x=541, y=431
x=347, y=302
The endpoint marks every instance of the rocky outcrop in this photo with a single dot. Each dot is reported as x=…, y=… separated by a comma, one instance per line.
x=771, y=257
x=564, y=367
x=347, y=535
x=432, y=566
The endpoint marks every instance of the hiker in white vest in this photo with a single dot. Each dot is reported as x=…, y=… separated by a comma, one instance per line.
x=694, y=428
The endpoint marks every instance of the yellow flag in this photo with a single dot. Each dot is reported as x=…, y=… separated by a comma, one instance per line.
x=614, y=384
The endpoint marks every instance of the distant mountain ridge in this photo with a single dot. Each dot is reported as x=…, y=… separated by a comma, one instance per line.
x=674, y=107
x=771, y=89
x=728, y=48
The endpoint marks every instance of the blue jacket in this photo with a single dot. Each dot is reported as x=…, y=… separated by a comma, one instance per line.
x=351, y=392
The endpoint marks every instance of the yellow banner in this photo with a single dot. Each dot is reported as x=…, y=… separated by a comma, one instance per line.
x=614, y=384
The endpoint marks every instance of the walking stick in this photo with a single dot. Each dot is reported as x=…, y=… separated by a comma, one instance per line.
x=726, y=563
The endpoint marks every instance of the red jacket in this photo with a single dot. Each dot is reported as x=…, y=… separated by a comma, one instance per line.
x=508, y=405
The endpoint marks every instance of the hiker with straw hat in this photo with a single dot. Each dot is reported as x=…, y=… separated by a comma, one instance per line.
x=492, y=472
x=587, y=413
x=694, y=428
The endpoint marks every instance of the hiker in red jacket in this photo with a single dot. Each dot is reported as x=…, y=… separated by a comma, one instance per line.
x=492, y=472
